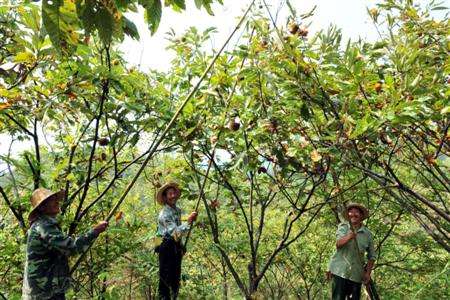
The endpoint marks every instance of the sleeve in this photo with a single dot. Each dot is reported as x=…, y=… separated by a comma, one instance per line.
x=341, y=231
x=371, y=255
x=55, y=239
x=169, y=226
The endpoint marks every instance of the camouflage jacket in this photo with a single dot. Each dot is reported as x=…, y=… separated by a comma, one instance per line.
x=46, y=266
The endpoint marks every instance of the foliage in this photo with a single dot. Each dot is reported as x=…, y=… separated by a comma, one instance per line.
x=293, y=127
x=69, y=22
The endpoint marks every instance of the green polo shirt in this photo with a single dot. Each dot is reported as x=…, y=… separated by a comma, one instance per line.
x=345, y=262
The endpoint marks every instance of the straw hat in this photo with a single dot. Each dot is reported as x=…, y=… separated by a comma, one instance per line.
x=159, y=194
x=40, y=196
x=362, y=209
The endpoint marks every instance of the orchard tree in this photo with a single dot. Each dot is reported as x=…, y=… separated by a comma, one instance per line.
x=287, y=111
x=286, y=129
x=65, y=88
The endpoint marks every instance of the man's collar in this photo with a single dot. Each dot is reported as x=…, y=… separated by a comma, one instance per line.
x=49, y=219
x=361, y=228
x=170, y=207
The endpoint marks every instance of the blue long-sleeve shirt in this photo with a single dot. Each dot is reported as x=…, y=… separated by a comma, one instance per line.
x=169, y=223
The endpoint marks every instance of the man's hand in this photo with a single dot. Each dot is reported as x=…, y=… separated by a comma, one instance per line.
x=347, y=238
x=192, y=217
x=351, y=235
x=366, y=277
x=100, y=227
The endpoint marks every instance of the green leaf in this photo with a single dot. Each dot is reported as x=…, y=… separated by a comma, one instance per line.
x=180, y=4
x=130, y=29
x=61, y=23
x=188, y=110
x=105, y=25
x=361, y=127
x=105, y=18
x=304, y=111
x=439, y=8
x=51, y=21
x=133, y=141
x=207, y=6
x=31, y=18
x=153, y=10
x=198, y=3
x=85, y=10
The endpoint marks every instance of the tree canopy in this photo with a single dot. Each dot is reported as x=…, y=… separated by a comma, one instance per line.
x=291, y=125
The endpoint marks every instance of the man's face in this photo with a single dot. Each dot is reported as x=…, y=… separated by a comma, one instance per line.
x=171, y=196
x=354, y=215
x=51, y=208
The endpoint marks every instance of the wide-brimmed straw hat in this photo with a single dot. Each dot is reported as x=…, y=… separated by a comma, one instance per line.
x=362, y=209
x=159, y=194
x=40, y=196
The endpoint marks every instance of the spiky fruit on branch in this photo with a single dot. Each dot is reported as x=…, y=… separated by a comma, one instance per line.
x=293, y=28
x=103, y=141
x=234, y=125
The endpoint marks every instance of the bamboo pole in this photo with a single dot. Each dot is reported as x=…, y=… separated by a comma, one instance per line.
x=372, y=295
x=154, y=147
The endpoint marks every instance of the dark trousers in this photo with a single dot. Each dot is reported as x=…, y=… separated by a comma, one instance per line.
x=343, y=289
x=58, y=297
x=170, y=255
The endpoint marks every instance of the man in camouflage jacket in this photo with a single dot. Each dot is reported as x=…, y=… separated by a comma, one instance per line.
x=46, y=267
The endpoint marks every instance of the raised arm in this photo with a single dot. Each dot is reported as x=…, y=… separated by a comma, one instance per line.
x=344, y=235
x=55, y=239
x=170, y=227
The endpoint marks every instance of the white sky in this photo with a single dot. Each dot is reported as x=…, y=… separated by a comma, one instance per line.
x=349, y=15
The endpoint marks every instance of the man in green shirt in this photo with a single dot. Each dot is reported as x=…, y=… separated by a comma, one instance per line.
x=47, y=274
x=353, y=240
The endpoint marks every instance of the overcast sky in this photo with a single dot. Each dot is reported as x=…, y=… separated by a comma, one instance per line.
x=349, y=15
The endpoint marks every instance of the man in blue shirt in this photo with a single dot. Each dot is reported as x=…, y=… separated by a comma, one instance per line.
x=171, y=230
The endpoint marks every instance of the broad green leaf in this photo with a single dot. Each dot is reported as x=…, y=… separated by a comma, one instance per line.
x=179, y=3
x=361, y=127
x=134, y=139
x=85, y=10
x=198, y=3
x=60, y=21
x=51, y=20
x=105, y=18
x=153, y=10
x=129, y=28
x=105, y=25
x=188, y=110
